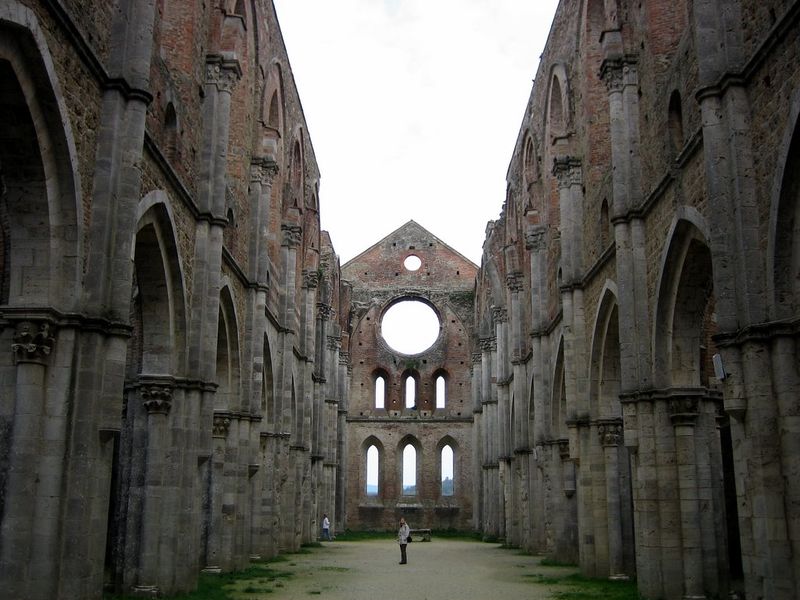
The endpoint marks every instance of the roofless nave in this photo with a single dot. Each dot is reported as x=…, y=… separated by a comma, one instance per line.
x=190, y=379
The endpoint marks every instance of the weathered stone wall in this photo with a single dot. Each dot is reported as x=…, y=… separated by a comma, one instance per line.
x=172, y=377
x=378, y=279
x=646, y=184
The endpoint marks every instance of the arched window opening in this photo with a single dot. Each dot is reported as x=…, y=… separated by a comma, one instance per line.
x=605, y=226
x=380, y=391
x=676, y=122
x=267, y=387
x=411, y=392
x=373, y=467
x=448, y=486
x=441, y=389
x=529, y=161
x=171, y=132
x=556, y=113
x=273, y=117
x=409, y=471
x=297, y=168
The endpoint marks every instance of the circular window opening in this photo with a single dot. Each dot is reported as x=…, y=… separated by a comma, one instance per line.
x=412, y=262
x=410, y=326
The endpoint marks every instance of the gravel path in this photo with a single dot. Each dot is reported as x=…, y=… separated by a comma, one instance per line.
x=437, y=570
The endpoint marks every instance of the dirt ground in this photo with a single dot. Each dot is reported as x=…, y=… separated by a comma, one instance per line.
x=436, y=570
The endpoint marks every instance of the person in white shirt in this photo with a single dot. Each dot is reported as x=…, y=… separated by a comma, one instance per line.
x=326, y=528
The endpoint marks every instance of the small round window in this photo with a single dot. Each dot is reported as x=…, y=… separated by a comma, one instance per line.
x=410, y=327
x=412, y=262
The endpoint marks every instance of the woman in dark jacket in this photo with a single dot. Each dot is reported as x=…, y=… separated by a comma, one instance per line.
x=402, y=539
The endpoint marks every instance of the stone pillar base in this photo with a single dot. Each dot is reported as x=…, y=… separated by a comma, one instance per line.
x=145, y=591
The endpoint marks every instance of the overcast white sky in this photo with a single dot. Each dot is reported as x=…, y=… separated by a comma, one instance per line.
x=413, y=107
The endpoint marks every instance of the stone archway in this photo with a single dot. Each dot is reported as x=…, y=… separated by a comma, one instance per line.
x=686, y=447
x=41, y=254
x=152, y=490
x=609, y=469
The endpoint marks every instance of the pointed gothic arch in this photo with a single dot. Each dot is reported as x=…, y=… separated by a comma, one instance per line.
x=783, y=253
x=228, y=394
x=605, y=375
x=684, y=320
x=40, y=207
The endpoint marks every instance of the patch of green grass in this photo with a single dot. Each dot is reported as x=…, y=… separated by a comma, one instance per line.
x=255, y=590
x=312, y=545
x=360, y=536
x=336, y=569
x=546, y=579
x=551, y=562
x=456, y=534
x=586, y=588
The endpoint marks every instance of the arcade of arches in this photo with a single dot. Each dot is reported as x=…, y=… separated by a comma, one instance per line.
x=189, y=378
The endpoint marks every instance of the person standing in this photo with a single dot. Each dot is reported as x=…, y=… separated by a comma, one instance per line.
x=402, y=539
x=326, y=528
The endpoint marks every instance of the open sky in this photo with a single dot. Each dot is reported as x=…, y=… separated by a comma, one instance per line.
x=413, y=107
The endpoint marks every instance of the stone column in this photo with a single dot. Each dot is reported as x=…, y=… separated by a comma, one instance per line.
x=503, y=441
x=214, y=550
x=156, y=398
x=478, y=507
x=683, y=414
x=622, y=81
x=620, y=74
x=536, y=243
x=290, y=391
x=518, y=356
x=491, y=491
x=342, y=392
x=502, y=410
x=30, y=520
x=610, y=432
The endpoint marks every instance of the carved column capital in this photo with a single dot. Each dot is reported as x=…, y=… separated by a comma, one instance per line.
x=310, y=278
x=33, y=342
x=223, y=72
x=488, y=344
x=618, y=73
x=325, y=311
x=683, y=411
x=567, y=170
x=292, y=235
x=536, y=238
x=611, y=74
x=499, y=314
x=610, y=433
x=514, y=281
x=156, y=398
x=221, y=425
x=263, y=171
x=476, y=358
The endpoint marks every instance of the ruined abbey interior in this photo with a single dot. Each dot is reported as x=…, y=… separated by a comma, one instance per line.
x=189, y=378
